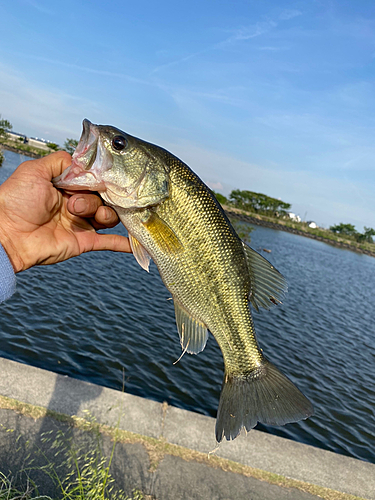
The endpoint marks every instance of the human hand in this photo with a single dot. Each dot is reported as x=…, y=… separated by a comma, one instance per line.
x=41, y=225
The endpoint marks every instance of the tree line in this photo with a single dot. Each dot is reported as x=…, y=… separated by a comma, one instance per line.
x=245, y=200
x=69, y=144
x=350, y=230
x=255, y=202
x=272, y=207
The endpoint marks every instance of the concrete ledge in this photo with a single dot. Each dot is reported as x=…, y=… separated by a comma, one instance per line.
x=167, y=424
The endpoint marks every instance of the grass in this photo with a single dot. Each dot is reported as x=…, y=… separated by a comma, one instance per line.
x=8, y=491
x=84, y=489
x=24, y=148
x=82, y=473
x=88, y=467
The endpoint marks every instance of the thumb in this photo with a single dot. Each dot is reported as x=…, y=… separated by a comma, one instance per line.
x=53, y=165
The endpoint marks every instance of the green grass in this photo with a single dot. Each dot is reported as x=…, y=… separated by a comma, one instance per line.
x=8, y=491
x=157, y=449
x=82, y=473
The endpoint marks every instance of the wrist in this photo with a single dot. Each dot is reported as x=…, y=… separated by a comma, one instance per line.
x=11, y=251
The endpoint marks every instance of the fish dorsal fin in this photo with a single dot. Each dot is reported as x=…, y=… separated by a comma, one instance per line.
x=140, y=253
x=268, y=286
x=162, y=234
x=193, y=333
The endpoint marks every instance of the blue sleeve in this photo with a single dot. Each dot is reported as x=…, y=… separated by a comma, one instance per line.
x=7, y=276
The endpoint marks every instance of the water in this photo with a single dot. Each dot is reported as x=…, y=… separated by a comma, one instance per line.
x=101, y=318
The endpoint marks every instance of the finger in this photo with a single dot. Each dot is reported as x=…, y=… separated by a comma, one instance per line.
x=107, y=217
x=84, y=205
x=54, y=164
x=113, y=242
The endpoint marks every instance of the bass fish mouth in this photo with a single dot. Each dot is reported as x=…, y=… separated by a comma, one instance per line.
x=74, y=178
x=81, y=174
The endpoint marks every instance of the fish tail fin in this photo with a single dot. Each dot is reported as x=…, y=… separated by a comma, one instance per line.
x=264, y=395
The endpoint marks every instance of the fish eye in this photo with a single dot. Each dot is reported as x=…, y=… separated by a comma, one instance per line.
x=119, y=142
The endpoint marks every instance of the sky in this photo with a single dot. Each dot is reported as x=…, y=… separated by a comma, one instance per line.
x=271, y=96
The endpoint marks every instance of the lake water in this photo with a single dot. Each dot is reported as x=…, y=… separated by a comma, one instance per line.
x=102, y=319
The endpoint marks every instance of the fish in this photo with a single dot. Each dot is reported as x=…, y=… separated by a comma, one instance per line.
x=173, y=218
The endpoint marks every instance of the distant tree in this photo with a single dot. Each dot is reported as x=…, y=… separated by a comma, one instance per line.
x=70, y=145
x=344, y=229
x=242, y=229
x=369, y=232
x=366, y=236
x=53, y=146
x=258, y=202
x=220, y=198
x=4, y=125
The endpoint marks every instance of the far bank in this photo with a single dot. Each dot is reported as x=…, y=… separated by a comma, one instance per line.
x=24, y=150
x=235, y=213
x=279, y=226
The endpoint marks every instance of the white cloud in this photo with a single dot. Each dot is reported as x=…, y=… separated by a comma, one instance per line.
x=35, y=110
x=215, y=185
x=289, y=14
x=249, y=32
x=327, y=200
x=39, y=7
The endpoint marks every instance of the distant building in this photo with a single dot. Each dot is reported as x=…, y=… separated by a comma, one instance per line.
x=32, y=141
x=15, y=136
x=312, y=224
x=38, y=143
x=294, y=217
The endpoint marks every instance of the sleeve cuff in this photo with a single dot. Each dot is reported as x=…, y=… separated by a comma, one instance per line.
x=7, y=276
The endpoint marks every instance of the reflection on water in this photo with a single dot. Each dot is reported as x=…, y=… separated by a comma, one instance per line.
x=99, y=315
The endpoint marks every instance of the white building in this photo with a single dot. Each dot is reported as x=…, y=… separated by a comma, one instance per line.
x=294, y=217
x=31, y=141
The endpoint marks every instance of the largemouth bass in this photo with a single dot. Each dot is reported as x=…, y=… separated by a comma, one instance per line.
x=173, y=218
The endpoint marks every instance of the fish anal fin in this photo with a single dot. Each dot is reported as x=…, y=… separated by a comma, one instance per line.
x=162, y=234
x=140, y=253
x=268, y=286
x=193, y=333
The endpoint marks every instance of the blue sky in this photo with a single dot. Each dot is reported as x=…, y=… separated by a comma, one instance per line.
x=270, y=96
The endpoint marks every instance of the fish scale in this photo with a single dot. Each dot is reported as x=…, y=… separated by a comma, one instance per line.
x=215, y=256
x=210, y=277
x=173, y=218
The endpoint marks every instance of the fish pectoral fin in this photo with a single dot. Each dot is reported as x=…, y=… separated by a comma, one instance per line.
x=268, y=286
x=193, y=333
x=140, y=253
x=162, y=234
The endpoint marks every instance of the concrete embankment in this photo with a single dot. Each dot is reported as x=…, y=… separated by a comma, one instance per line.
x=162, y=450
x=280, y=227
x=20, y=151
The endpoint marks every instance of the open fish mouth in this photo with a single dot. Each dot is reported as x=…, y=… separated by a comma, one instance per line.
x=87, y=161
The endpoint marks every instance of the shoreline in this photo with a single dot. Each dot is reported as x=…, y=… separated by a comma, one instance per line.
x=20, y=151
x=231, y=212
x=280, y=227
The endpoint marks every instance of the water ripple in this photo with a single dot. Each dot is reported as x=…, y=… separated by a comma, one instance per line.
x=101, y=318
